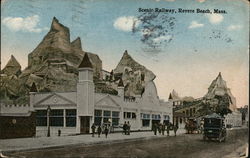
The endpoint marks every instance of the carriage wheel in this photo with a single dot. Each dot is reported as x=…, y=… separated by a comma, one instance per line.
x=220, y=138
x=224, y=140
x=204, y=137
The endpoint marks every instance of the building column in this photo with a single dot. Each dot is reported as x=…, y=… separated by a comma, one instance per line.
x=138, y=117
x=78, y=124
x=64, y=117
x=121, y=119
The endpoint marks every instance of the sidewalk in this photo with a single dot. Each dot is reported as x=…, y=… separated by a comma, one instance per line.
x=25, y=144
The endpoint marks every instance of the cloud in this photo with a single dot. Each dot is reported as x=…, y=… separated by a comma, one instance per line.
x=126, y=23
x=28, y=24
x=234, y=27
x=201, y=1
x=195, y=24
x=215, y=18
x=162, y=38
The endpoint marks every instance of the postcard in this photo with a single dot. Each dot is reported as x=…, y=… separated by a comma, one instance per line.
x=124, y=78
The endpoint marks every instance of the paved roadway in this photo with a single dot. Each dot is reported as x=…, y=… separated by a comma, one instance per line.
x=187, y=145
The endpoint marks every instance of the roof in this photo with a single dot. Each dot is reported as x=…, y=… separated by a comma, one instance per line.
x=85, y=62
x=120, y=84
x=213, y=115
x=33, y=88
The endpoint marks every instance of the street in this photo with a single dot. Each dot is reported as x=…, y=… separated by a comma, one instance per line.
x=186, y=145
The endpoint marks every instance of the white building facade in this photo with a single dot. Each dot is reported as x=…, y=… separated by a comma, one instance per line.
x=233, y=119
x=75, y=112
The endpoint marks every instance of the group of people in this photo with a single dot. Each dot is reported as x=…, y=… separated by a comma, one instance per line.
x=106, y=129
x=126, y=128
x=100, y=130
x=162, y=127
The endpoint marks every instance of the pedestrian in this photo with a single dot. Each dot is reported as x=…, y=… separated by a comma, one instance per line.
x=93, y=129
x=175, y=129
x=159, y=128
x=124, y=127
x=168, y=129
x=99, y=131
x=155, y=128
x=106, y=131
x=59, y=132
x=163, y=128
x=128, y=128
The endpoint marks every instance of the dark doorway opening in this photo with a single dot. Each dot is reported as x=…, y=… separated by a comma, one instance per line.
x=85, y=120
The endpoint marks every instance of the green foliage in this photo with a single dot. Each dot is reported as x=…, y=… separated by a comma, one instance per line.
x=223, y=105
x=205, y=109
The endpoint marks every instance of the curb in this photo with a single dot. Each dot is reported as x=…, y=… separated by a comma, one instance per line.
x=102, y=142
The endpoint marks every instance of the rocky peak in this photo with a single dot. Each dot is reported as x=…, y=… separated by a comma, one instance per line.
x=13, y=62
x=77, y=44
x=219, y=87
x=12, y=67
x=128, y=63
x=134, y=75
x=126, y=56
x=55, y=25
x=58, y=37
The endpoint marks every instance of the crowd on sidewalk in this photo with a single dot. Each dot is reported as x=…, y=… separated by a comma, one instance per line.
x=160, y=127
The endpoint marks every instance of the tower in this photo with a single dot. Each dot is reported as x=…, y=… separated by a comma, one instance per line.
x=33, y=91
x=85, y=95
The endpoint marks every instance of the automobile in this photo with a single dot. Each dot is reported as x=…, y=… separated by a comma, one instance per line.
x=214, y=128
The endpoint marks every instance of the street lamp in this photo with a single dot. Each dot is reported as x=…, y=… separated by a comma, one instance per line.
x=48, y=121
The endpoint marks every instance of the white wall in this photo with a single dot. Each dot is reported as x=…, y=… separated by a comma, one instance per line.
x=15, y=108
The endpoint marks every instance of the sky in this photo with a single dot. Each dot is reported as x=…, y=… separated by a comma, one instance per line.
x=186, y=51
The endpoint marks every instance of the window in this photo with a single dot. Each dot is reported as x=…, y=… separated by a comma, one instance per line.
x=98, y=113
x=129, y=115
x=71, y=118
x=98, y=117
x=115, y=118
x=56, y=118
x=145, y=116
x=156, y=117
x=133, y=115
x=166, y=117
x=41, y=117
x=145, y=123
x=145, y=119
x=115, y=114
x=106, y=116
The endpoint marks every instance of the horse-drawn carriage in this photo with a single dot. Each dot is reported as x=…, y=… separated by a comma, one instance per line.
x=214, y=128
x=191, y=126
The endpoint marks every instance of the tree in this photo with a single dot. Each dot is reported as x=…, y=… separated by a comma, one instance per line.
x=223, y=105
x=205, y=108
